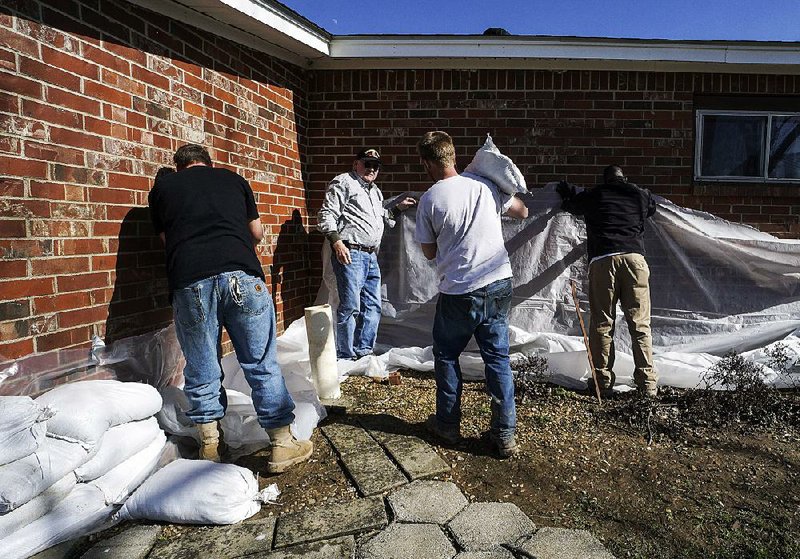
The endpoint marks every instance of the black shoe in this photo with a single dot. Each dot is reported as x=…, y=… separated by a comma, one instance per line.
x=606, y=393
x=450, y=435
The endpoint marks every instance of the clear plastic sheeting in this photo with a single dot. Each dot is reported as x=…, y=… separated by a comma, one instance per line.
x=715, y=286
x=156, y=359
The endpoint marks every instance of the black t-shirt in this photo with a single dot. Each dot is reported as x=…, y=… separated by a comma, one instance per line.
x=615, y=214
x=204, y=213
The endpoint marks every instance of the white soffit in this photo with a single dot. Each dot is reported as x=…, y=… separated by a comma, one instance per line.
x=437, y=51
x=266, y=26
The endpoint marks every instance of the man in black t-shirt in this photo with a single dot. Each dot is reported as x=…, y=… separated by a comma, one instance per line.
x=615, y=213
x=208, y=221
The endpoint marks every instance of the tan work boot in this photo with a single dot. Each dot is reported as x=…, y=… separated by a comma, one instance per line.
x=212, y=443
x=286, y=450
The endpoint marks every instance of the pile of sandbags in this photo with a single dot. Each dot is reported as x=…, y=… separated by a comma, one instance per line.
x=70, y=458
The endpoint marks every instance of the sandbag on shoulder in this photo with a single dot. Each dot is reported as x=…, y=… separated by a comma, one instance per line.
x=489, y=163
x=24, y=479
x=120, y=443
x=22, y=427
x=37, y=507
x=195, y=492
x=87, y=409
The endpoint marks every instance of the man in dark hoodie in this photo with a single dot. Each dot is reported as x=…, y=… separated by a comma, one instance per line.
x=615, y=212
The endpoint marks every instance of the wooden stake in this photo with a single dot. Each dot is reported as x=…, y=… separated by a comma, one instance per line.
x=585, y=339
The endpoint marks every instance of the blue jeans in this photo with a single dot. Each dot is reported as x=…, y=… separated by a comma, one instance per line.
x=484, y=314
x=242, y=304
x=359, y=311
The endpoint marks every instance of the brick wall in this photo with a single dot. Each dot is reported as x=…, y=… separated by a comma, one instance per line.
x=94, y=99
x=553, y=124
x=96, y=95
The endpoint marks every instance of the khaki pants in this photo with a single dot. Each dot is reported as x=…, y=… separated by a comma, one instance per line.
x=624, y=279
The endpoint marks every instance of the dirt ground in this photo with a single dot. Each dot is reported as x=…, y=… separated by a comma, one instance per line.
x=646, y=492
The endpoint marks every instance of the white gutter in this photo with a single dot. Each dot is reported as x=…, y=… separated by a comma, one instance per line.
x=552, y=52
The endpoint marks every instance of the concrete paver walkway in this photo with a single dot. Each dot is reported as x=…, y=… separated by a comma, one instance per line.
x=398, y=516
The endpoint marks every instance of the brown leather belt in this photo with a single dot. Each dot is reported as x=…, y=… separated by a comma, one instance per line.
x=362, y=248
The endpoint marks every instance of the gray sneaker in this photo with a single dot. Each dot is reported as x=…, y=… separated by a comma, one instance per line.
x=505, y=447
x=450, y=435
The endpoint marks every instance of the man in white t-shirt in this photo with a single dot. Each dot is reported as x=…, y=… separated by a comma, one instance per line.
x=458, y=224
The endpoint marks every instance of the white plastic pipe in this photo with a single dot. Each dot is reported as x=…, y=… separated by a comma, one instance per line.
x=322, y=351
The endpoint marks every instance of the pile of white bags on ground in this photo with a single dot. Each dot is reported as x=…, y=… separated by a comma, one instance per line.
x=70, y=458
x=198, y=492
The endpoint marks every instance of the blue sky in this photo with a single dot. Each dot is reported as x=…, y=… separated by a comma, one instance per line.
x=761, y=20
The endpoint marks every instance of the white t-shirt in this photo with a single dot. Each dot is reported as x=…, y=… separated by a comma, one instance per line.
x=462, y=216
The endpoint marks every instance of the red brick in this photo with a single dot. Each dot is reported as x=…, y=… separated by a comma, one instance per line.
x=72, y=101
x=17, y=42
x=80, y=246
x=51, y=115
x=55, y=228
x=104, y=262
x=150, y=78
x=75, y=138
x=134, y=55
x=47, y=152
x=11, y=146
x=67, y=319
x=13, y=269
x=20, y=167
x=82, y=281
x=15, y=350
x=132, y=182
x=57, y=266
x=9, y=103
x=107, y=94
x=64, y=339
x=27, y=288
x=118, y=81
x=48, y=74
x=21, y=85
x=112, y=196
x=11, y=228
x=60, y=302
x=70, y=63
x=106, y=59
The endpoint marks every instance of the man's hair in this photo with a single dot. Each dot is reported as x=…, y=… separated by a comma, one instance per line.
x=437, y=147
x=613, y=173
x=191, y=153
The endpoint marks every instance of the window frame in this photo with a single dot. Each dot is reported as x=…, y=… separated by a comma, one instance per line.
x=700, y=113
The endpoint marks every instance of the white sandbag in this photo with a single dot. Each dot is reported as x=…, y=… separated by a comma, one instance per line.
x=24, y=479
x=36, y=507
x=120, y=443
x=22, y=427
x=195, y=492
x=87, y=409
x=489, y=163
x=122, y=480
x=83, y=511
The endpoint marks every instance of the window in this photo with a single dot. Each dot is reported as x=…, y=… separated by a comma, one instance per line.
x=754, y=146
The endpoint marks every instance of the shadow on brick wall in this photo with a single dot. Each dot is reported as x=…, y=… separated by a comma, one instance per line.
x=140, y=301
x=289, y=271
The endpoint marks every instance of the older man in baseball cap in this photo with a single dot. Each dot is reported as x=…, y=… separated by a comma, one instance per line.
x=352, y=218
